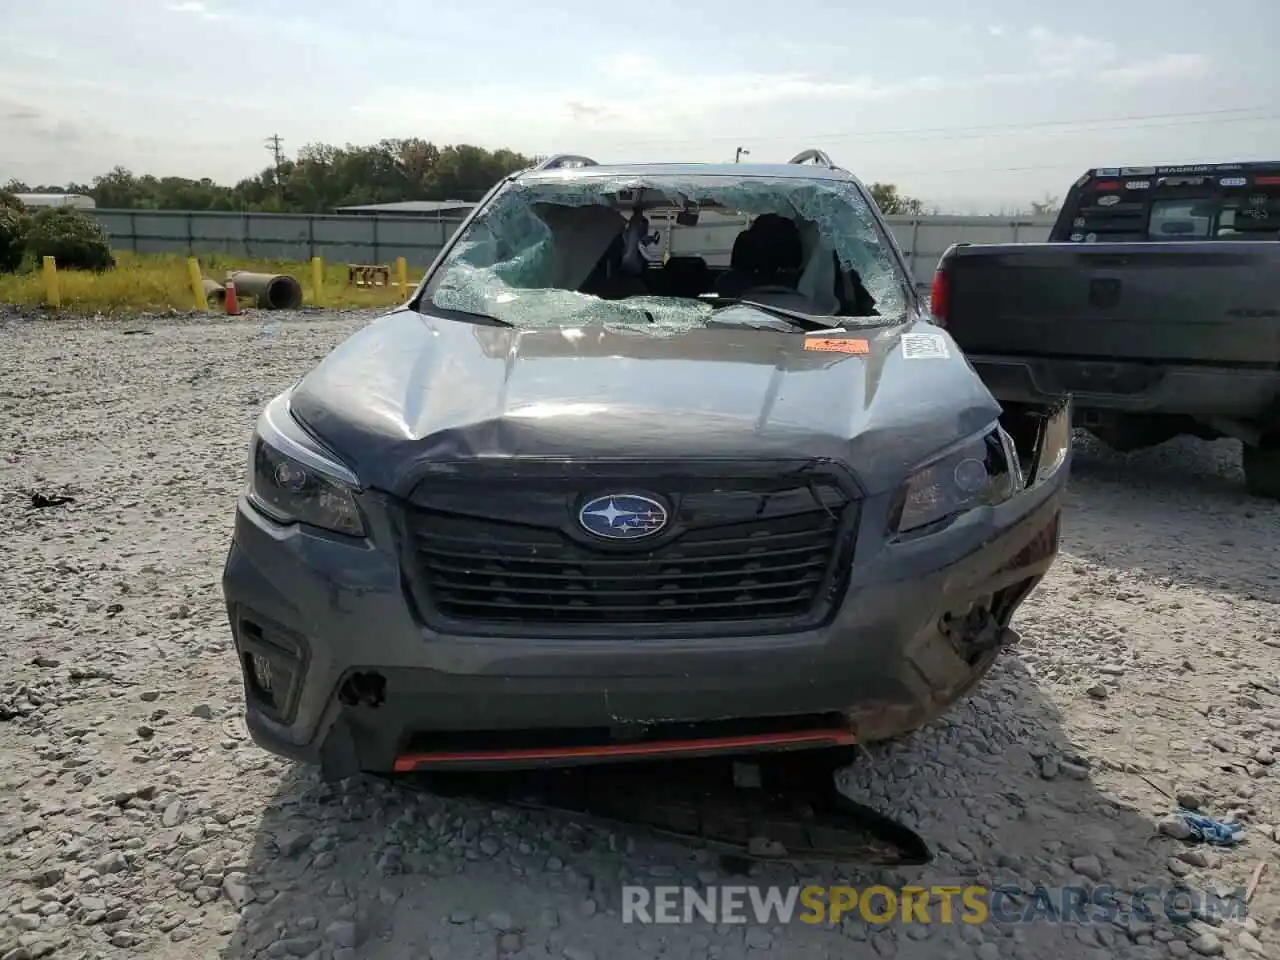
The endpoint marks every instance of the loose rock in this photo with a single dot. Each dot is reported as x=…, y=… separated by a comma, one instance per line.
x=141, y=821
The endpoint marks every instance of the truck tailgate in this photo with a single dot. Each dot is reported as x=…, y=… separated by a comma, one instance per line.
x=1194, y=302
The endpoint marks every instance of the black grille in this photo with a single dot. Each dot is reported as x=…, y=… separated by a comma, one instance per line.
x=734, y=555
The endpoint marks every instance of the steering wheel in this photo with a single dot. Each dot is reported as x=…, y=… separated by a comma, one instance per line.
x=800, y=303
x=773, y=288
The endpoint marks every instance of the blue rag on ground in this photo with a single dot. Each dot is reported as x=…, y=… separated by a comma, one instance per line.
x=1208, y=830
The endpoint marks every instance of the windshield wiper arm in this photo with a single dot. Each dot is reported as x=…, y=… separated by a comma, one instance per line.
x=802, y=320
x=466, y=316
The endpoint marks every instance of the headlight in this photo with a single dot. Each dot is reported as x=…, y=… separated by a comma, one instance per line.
x=982, y=471
x=291, y=482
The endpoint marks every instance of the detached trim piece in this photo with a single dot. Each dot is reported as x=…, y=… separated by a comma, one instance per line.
x=559, y=160
x=565, y=160
x=817, y=156
x=658, y=748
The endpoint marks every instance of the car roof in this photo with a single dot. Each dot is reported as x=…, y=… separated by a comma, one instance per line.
x=790, y=171
x=807, y=165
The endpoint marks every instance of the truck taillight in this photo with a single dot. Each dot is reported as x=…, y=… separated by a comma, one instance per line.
x=938, y=297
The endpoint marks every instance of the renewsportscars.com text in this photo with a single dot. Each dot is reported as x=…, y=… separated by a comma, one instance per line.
x=934, y=904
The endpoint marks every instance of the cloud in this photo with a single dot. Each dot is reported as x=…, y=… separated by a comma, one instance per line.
x=66, y=90
x=635, y=94
x=586, y=111
x=25, y=121
x=630, y=93
x=935, y=25
x=35, y=145
x=1068, y=52
x=82, y=120
x=646, y=79
x=1074, y=55
x=1171, y=66
x=916, y=23
x=196, y=9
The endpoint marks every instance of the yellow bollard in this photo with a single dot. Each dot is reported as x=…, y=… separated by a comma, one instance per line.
x=317, y=280
x=402, y=274
x=197, y=283
x=51, y=295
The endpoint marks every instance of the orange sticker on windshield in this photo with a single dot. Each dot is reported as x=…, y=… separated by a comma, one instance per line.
x=837, y=344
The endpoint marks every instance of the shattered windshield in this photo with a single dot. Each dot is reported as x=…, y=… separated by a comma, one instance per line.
x=671, y=253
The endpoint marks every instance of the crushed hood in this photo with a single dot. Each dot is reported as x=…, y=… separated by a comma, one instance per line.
x=411, y=389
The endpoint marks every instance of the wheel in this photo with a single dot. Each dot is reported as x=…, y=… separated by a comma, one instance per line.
x=1124, y=434
x=1262, y=469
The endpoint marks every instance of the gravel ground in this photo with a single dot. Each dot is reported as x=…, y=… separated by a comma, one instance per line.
x=138, y=821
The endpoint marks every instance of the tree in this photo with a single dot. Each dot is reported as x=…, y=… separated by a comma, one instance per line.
x=892, y=203
x=1047, y=207
x=72, y=237
x=118, y=189
x=14, y=224
x=321, y=178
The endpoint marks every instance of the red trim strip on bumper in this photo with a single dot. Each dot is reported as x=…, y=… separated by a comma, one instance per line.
x=815, y=738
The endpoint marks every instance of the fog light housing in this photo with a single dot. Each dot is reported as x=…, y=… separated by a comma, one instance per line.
x=273, y=661
x=261, y=674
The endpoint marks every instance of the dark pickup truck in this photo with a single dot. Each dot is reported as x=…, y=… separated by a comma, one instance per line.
x=1155, y=304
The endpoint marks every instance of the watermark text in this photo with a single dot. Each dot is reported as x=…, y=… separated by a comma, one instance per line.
x=940, y=904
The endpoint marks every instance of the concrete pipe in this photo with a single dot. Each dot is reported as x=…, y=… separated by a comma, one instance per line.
x=269, y=291
x=213, y=291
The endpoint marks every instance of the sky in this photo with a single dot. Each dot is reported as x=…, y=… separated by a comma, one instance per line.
x=974, y=107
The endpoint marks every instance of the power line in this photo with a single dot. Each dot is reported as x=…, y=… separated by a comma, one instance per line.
x=1136, y=125
x=277, y=154
x=273, y=145
x=1077, y=167
x=1204, y=116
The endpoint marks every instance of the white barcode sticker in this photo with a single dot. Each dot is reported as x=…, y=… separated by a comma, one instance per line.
x=924, y=346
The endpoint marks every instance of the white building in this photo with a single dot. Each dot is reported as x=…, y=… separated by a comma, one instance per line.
x=77, y=200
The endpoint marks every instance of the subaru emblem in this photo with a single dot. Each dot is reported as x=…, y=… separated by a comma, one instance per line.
x=622, y=516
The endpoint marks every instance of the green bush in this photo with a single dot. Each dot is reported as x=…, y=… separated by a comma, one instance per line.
x=76, y=240
x=13, y=236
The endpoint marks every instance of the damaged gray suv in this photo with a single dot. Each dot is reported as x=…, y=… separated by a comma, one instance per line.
x=658, y=460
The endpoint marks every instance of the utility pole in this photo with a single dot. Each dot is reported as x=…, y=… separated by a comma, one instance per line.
x=273, y=144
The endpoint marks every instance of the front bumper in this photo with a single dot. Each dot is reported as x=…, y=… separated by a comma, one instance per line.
x=360, y=684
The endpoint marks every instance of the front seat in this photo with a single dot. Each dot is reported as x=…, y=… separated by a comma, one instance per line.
x=609, y=280
x=767, y=253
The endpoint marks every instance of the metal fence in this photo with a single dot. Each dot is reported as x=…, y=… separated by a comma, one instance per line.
x=925, y=239
x=278, y=236
x=383, y=238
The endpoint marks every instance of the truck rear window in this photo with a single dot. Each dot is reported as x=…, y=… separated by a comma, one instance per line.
x=1179, y=220
x=1152, y=206
x=1254, y=215
x=1234, y=214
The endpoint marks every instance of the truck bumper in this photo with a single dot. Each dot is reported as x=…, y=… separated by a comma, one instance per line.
x=1199, y=392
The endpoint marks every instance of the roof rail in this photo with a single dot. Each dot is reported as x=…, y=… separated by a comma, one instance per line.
x=565, y=160
x=817, y=156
